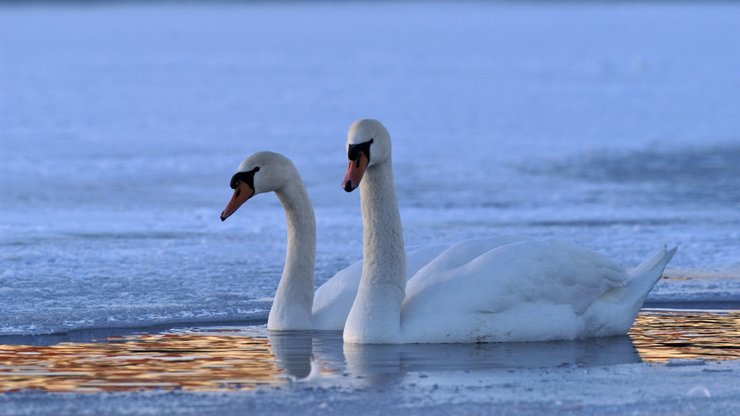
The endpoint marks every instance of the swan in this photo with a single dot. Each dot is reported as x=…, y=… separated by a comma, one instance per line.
x=295, y=306
x=494, y=290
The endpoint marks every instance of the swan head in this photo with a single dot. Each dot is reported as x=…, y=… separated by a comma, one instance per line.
x=259, y=173
x=368, y=144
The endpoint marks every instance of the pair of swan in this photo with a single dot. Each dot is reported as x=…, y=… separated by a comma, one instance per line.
x=492, y=290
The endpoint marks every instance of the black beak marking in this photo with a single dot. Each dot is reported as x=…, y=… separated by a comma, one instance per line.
x=354, y=150
x=247, y=177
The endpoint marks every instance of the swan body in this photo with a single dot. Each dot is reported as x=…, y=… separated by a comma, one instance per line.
x=295, y=306
x=493, y=290
x=333, y=299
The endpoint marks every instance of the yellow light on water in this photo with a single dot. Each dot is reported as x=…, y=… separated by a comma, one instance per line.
x=237, y=360
x=662, y=335
x=165, y=361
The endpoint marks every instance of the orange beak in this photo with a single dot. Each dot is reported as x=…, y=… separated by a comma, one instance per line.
x=241, y=194
x=355, y=170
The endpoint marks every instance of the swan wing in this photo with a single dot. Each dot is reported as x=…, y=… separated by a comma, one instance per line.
x=521, y=290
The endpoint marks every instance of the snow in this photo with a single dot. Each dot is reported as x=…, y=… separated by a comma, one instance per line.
x=612, y=126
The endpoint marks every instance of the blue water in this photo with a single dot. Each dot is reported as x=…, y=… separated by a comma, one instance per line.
x=614, y=126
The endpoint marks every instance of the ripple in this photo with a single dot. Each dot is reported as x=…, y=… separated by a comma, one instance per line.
x=665, y=335
x=243, y=358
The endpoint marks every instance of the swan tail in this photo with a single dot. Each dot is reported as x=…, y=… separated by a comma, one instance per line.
x=615, y=312
x=645, y=276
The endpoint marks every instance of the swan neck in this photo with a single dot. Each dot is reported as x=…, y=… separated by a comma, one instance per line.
x=376, y=313
x=383, y=246
x=293, y=302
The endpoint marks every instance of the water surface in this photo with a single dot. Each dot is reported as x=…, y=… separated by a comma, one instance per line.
x=243, y=358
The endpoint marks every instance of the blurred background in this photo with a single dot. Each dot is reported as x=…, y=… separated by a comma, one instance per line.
x=612, y=124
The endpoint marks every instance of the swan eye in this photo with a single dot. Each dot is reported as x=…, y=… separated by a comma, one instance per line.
x=247, y=177
x=354, y=150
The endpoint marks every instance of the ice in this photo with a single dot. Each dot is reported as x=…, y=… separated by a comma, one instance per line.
x=120, y=126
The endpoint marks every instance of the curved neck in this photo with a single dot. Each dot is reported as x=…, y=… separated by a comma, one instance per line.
x=376, y=313
x=293, y=302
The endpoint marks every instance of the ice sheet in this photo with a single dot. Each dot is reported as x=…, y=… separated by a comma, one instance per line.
x=614, y=126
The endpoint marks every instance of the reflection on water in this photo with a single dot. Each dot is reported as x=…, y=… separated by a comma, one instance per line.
x=661, y=335
x=166, y=361
x=209, y=359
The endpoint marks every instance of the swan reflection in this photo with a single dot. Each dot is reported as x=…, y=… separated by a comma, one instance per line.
x=294, y=352
x=242, y=358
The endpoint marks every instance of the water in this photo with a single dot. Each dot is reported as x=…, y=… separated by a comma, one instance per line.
x=242, y=358
x=614, y=126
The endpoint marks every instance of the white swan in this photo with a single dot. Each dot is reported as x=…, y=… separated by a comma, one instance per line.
x=295, y=306
x=478, y=291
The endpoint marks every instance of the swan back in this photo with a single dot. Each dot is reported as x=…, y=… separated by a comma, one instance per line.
x=491, y=290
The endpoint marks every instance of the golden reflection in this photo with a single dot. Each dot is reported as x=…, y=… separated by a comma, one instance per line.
x=663, y=335
x=159, y=361
x=239, y=360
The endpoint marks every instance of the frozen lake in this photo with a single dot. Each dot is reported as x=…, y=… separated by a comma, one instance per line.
x=614, y=126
